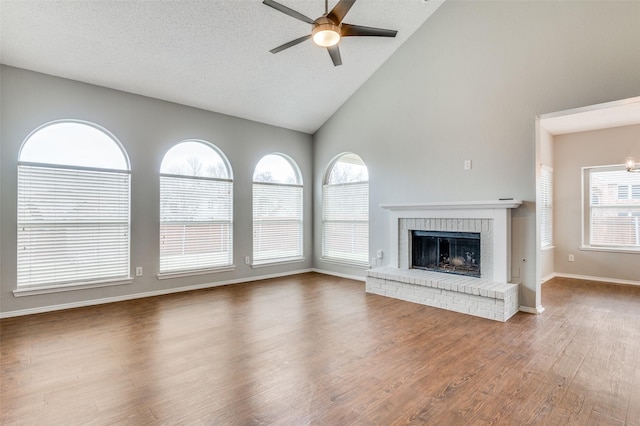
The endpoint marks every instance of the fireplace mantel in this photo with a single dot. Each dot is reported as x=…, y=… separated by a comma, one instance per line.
x=500, y=204
x=496, y=212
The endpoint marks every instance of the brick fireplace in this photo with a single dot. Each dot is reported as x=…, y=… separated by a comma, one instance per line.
x=492, y=295
x=492, y=219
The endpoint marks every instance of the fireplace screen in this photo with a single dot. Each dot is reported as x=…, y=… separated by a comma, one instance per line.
x=450, y=252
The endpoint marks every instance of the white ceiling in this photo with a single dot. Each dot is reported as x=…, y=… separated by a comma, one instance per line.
x=211, y=54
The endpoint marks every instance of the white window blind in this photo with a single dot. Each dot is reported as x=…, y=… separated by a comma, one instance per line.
x=345, y=217
x=546, y=208
x=196, y=209
x=277, y=221
x=73, y=207
x=196, y=216
x=73, y=225
x=614, y=208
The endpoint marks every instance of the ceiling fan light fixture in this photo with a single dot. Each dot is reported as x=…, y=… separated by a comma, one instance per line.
x=328, y=29
x=631, y=165
x=326, y=34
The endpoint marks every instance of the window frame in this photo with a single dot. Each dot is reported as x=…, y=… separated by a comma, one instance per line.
x=297, y=191
x=586, y=201
x=546, y=208
x=195, y=180
x=326, y=187
x=62, y=170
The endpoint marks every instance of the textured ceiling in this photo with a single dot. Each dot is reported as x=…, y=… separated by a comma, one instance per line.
x=207, y=54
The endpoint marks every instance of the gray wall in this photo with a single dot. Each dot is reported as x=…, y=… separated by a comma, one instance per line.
x=572, y=152
x=468, y=85
x=147, y=128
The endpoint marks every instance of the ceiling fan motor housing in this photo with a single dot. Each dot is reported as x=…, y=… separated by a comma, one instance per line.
x=325, y=32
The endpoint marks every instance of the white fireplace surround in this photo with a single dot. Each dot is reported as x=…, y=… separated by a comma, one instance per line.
x=491, y=218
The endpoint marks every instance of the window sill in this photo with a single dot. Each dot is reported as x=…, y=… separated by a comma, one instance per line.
x=265, y=263
x=545, y=248
x=33, y=291
x=352, y=263
x=180, y=274
x=611, y=249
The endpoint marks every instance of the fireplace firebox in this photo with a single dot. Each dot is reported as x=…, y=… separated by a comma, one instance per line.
x=449, y=252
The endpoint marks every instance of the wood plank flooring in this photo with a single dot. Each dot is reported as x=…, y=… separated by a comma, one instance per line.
x=315, y=349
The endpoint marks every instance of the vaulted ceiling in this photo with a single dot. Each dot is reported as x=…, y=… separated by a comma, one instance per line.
x=212, y=55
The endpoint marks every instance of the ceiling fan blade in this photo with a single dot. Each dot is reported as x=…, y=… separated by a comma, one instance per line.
x=339, y=11
x=334, y=52
x=287, y=11
x=290, y=44
x=349, y=30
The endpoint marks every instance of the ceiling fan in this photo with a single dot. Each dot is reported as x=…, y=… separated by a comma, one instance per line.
x=327, y=30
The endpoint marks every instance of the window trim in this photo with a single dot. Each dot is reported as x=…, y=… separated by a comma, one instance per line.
x=190, y=273
x=200, y=269
x=353, y=263
x=44, y=288
x=585, y=243
x=86, y=123
x=325, y=184
x=546, y=211
x=299, y=184
x=283, y=261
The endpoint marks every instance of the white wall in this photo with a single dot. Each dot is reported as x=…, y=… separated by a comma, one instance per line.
x=572, y=152
x=147, y=128
x=468, y=85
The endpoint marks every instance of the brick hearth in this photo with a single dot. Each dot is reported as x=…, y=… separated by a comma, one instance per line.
x=468, y=295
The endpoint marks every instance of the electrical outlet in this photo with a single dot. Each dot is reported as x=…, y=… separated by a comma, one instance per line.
x=247, y=260
x=138, y=271
x=379, y=254
x=467, y=164
x=571, y=258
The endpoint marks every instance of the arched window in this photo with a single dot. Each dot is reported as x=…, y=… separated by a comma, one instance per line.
x=277, y=210
x=196, y=209
x=73, y=207
x=345, y=211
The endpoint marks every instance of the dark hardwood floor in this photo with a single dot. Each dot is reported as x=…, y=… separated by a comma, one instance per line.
x=315, y=349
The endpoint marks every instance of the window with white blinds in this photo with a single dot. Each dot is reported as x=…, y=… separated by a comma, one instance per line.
x=73, y=207
x=546, y=206
x=196, y=209
x=613, y=214
x=277, y=210
x=345, y=211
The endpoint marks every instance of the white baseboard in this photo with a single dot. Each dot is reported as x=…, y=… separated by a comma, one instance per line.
x=122, y=298
x=540, y=309
x=548, y=277
x=84, y=303
x=530, y=310
x=337, y=274
x=599, y=279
